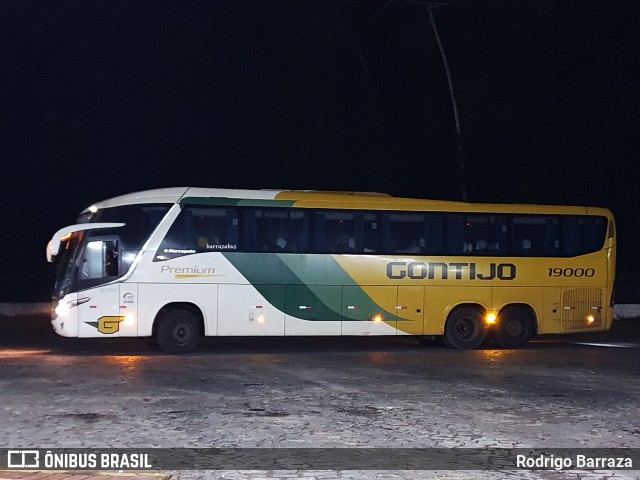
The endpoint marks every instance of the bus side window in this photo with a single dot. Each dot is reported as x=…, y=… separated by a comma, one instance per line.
x=250, y=235
x=529, y=235
x=593, y=233
x=335, y=232
x=481, y=231
x=581, y=235
x=201, y=229
x=299, y=230
x=455, y=235
x=433, y=234
x=101, y=259
x=404, y=232
x=571, y=237
x=281, y=231
x=370, y=233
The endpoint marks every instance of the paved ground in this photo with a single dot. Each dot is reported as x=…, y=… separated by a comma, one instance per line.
x=561, y=392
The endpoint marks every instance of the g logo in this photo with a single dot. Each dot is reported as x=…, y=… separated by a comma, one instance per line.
x=109, y=325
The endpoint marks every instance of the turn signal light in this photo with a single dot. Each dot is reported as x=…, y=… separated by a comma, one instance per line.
x=490, y=318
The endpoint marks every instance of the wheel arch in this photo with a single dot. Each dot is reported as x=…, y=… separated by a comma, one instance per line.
x=189, y=306
x=475, y=305
x=462, y=331
x=525, y=307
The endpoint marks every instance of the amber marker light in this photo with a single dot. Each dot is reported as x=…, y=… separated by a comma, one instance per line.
x=377, y=318
x=262, y=319
x=129, y=319
x=490, y=318
x=590, y=319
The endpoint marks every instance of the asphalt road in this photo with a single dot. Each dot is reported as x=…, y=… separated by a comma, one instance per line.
x=559, y=392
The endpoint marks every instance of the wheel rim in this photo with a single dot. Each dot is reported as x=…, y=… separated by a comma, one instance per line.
x=182, y=333
x=514, y=328
x=465, y=328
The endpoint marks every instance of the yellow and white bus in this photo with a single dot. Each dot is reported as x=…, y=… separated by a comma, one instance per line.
x=180, y=263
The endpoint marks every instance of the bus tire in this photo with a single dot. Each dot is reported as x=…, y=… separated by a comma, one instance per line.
x=464, y=329
x=179, y=331
x=515, y=327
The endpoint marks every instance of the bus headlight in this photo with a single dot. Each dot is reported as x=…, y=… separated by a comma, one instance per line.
x=62, y=308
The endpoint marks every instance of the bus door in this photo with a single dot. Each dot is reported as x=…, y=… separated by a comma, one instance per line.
x=99, y=294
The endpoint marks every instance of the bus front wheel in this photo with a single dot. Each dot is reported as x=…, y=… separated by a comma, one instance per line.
x=514, y=329
x=464, y=329
x=179, y=331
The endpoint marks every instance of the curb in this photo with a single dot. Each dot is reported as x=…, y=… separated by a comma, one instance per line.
x=626, y=311
x=24, y=309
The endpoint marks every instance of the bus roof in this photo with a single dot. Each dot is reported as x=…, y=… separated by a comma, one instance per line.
x=332, y=199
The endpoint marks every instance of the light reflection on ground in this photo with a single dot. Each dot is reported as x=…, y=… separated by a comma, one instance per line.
x=127, y=363
x=8, y=353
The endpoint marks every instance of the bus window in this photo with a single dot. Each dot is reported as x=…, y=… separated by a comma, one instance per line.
x=201, y=229
x=482, y=235
x=455, y=240
x=593, y=233
x=583, y=235
x=276, y=230
x=299, y=228
x=528, y=234
x=335, y=232
x=100, y=261
x=370, y=232
x=404, y=233
x=433, y=231
x=139, y=222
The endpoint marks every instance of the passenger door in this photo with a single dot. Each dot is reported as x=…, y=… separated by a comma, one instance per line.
x=99, y=294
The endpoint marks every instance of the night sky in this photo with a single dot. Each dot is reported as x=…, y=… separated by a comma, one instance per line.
x=101, y=98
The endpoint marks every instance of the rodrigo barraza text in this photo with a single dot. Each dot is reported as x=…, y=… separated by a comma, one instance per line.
x=564, y=463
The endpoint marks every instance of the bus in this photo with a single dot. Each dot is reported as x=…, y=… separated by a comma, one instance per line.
x=177, y=264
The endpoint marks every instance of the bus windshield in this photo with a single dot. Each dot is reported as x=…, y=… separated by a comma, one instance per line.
x=66, y=265
x=96, y=256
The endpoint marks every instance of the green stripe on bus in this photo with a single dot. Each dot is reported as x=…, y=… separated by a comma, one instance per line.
x=324, y=270
x=314, y=285
x=265, y=271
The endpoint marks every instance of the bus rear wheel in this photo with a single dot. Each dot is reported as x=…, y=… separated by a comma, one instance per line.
x=179, y=331
x=464, y=329
x=514, y=329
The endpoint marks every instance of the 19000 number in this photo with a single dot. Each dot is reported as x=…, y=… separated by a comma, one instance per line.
x=572, y=272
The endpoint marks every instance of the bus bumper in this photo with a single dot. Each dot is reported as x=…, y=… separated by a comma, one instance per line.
x=64, y=325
